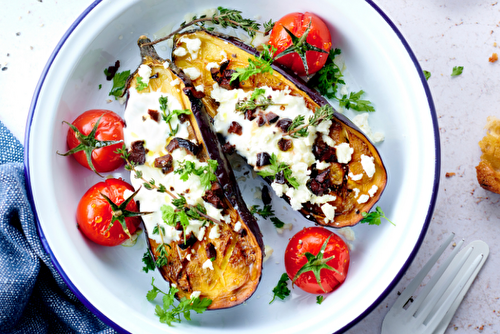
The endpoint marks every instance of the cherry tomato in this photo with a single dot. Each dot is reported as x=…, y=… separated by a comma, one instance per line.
x=318, y=36
x=316, y=249
x=94, y=213
x=109, y=128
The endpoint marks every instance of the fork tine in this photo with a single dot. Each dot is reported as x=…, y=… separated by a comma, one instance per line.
x=440, y=313
x=414, y=307
x=424, y=313
x=410, y=289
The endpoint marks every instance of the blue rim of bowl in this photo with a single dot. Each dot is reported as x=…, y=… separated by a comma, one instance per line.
x=384, y=294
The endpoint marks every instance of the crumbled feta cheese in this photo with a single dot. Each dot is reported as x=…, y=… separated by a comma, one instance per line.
x=192, y=72
x=356, y=192
x=344, y=152
x=328, y=140
x=214, y=232
x=324, y=127
x=355, y=177
x=188, y=257
x=179, y=52
x=175, y=82
x=288, y=227
x=279, y=189
x=361, y=122
x=368, y=165
x=372, y=190
x=144, y=72
x=363, y=199
x=268, y=251
x=329, y=211
x=322, y=165
x=208, y=264
x=322, y=199
x=237, y=227
x=259, y=39
x=192, y=45
x=200, y=88
x=195, y=294
x=211, y=65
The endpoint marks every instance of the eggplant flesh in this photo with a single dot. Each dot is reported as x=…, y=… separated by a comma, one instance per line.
x=229, y=53
x=230, y=272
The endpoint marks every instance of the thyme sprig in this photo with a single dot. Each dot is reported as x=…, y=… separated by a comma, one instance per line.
x=224, y=17
x=256, y=100
x=151, y=184
x=299, y=128
x=261, y=64
x=167, y=116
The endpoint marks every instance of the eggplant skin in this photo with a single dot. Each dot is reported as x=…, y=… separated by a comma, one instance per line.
x=238, y=254
x=348, y=212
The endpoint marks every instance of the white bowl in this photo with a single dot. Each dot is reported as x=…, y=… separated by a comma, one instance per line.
x=109, y=280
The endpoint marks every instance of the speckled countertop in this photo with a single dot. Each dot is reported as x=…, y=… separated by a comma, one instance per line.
x=442, y=34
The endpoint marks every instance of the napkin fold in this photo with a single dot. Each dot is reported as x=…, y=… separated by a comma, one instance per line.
x=33, y=296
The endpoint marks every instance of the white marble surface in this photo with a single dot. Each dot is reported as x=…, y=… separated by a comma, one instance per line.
x=442, y=33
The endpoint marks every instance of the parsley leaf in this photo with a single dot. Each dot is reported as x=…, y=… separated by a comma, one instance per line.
x=100, y=86
x=141, y=85
x=277, y=222
x=354, y=102
x=373, y=218
x=330, y=76
x=168, y=313
x=427, y=75
x=457, y=70
x=148, y=261
x=277, y=168
x=319, y=299
x=265, y=213
x=262, y=64
x=206, y=173
x=168, y=215
x=281, y=289
x=119, y=81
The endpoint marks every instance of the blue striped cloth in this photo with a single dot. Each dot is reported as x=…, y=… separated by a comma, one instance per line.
x=33, y=297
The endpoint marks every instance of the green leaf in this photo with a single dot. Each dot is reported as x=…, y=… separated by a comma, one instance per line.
x=100, y=86
x=457, y=70
x=262, y=64
x=328, y=79
x=281, y=289
x=119, y=82
x=355, y=102
x=277, y=222
x=148, y=262
x=374, y=218
x=265, y=212
x=319, y=299
x=427, y=75
x=168, y=215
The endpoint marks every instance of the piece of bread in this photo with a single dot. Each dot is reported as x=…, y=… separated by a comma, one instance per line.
x=488, y=170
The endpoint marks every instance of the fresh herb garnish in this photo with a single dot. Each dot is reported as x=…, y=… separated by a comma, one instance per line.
x=206, y=173
x=256, y=100
x=354, y=102
x=168, y=313
x=141, y=85
x=427, y=75
x=100, y=86
x=162, y=258
x=373, y=218
x=281, y=290
x=299, y=128
x=319, y=299
x=457, y=70
x=277, y=167
x=277, y=222
x=168, y=115
x=119, y=82
x=328, y=80
x=265, y=212
x=149, y=263
x=262, y=64
x=224, y=18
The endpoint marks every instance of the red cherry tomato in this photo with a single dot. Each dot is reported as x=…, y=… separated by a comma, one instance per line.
x=110, y=128
x=94, y=213
x=335, y=255
x=319, y=36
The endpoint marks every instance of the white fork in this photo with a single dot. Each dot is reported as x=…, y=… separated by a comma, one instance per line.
x=431, y=311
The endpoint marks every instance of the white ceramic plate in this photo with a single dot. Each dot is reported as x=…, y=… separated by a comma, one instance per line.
x=109, y=280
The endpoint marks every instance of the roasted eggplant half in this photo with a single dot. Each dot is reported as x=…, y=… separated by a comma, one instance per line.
x=200, y=234
x=330, y=172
